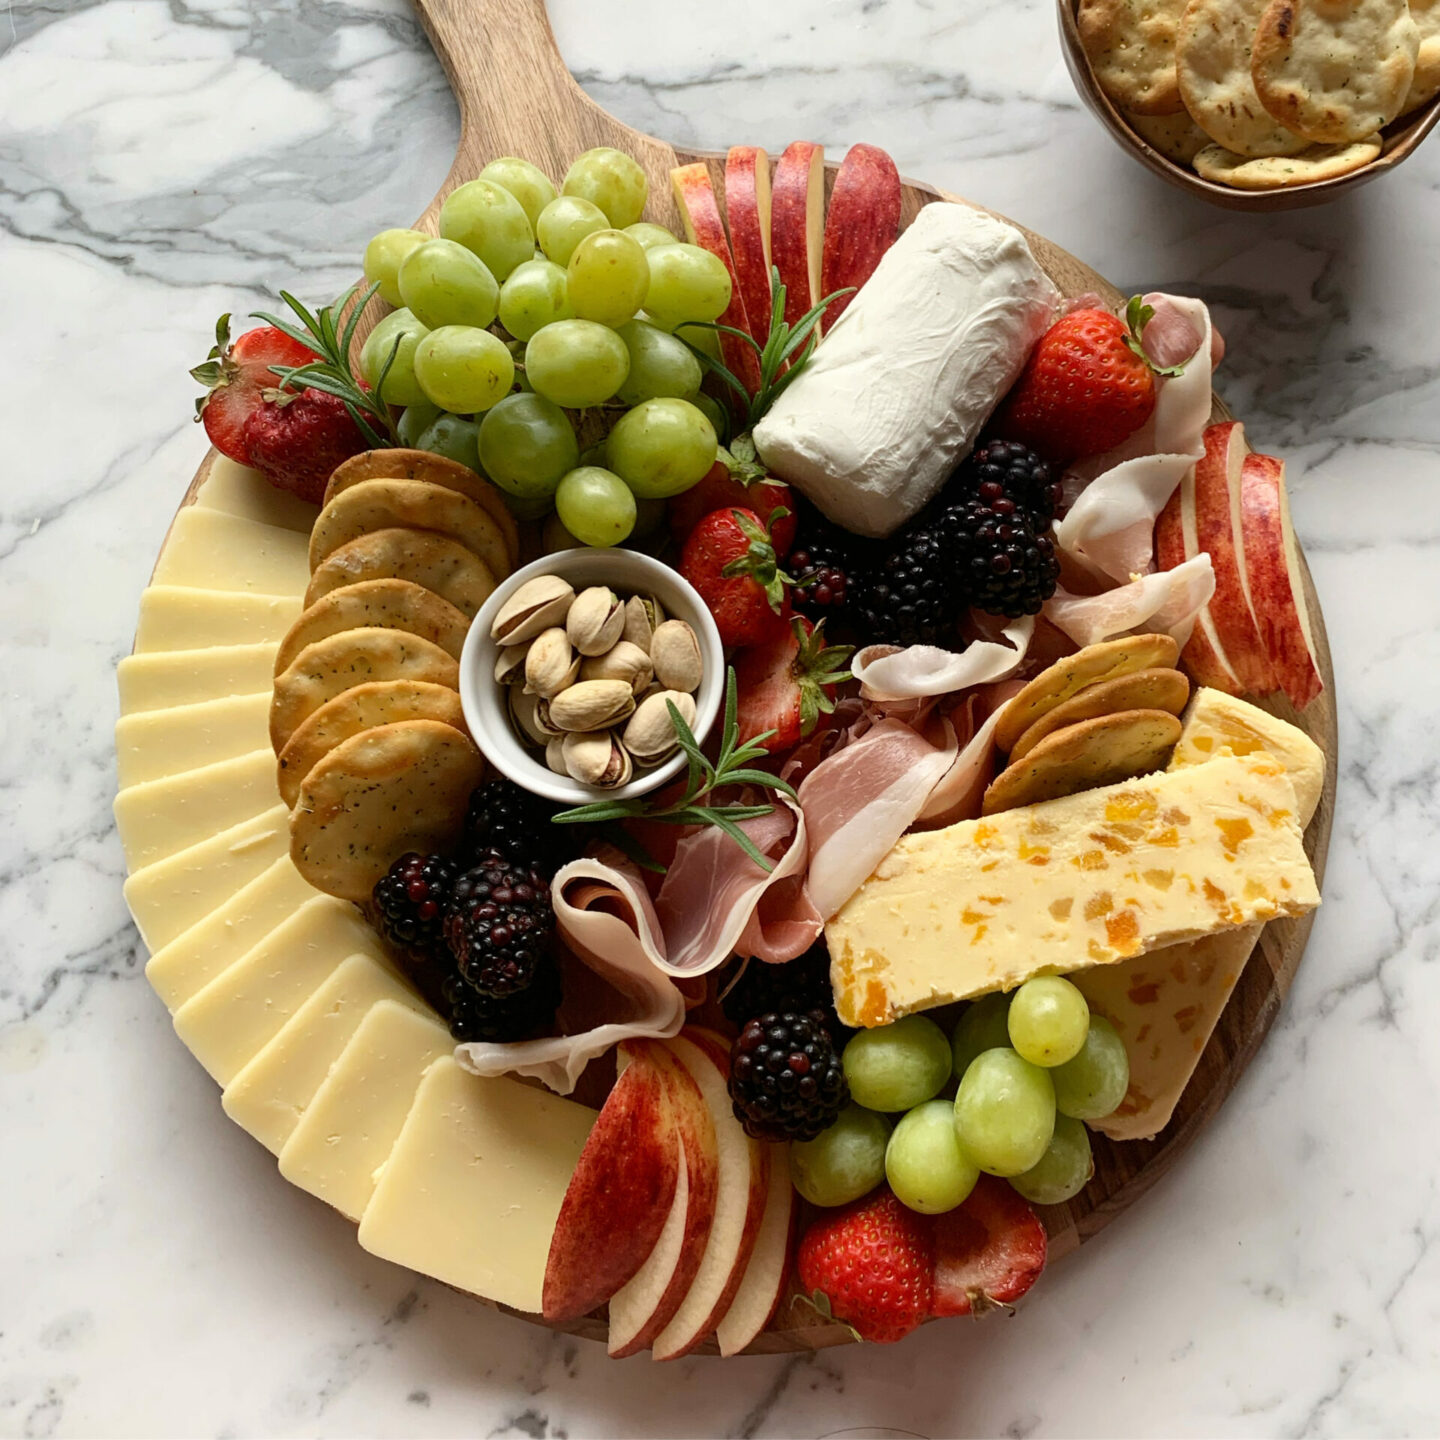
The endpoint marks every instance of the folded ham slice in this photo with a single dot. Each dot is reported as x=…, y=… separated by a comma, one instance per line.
x=887, y=672
x=1167, y=601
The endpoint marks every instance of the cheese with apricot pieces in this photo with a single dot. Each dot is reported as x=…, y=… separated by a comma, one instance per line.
x=1089, y=879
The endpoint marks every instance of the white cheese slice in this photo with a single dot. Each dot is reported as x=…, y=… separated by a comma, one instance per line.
x=895, y=396
x=211, y=550
x=472, y=1189
x=161, y=817
x=238, y=490
x=268, y=1097
x=160, y=681
x=153, y=744
x=349, y=1129
x=173, y=617
x=227, y=1023
x=169, y=897
x=195, y=957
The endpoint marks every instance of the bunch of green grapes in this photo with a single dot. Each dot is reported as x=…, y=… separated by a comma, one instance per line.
x=1031, y=1068
x=532, y=305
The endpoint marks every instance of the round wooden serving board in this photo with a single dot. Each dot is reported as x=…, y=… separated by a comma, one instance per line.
x=483, y=45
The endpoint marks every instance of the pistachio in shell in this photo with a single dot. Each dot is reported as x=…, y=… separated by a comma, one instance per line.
x=596, y=757
x=550, y=664
x=555, y=754
x=510, y=664
x=675, y=651
x=595, y=620
x=622, y=661
x=535, y=606
x=592, y=705
x=650, y=733
x=527, y=712
x=643, y=616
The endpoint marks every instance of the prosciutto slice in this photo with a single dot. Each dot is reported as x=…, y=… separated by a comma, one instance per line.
x=1110, y=529
x=887, y=672
x=1167, y=601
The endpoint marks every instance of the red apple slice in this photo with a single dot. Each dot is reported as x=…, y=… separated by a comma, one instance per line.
x=620, y=1193
x=1174, y=544
x=797, y=225
x=747, y=207
x=739, y=1200
x=764, y=1282
x=1272, y=563
x=700, y=213
x=863, y=222
x=1219, y=531
x=647, y=1302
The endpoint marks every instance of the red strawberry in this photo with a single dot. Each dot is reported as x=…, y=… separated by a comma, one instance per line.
x=719, y=489
x=298, y=440
x=870, y=1265
x=235, y=378
x=989, y=1252
x=1087, y=386
x=786, y=684
x=730, y=559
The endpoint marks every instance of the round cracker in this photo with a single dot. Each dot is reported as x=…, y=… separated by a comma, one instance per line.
x=1072, y=673
x=362, y=707
x=436, y=470
x=388, y=604
x=1334, y=70
x=1130, y=45
x=377, y=795
x=432, y=561
x=1212, y=59
x=1157, y=689
x=1176, y=137
x=1277, y=172
x=415, y=504
x=1085, y=756
x=1426, y=84
x=351, y=657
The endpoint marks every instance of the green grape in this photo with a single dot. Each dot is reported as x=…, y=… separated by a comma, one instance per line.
x=661, y=447
x=595, y=506
x=564, y=223
x=1063, y=1170
x=844, y=1161
x=1048, y=1020
x=415, y=420
x=1005, y=1112
x=896, y=1067
x=610, y=179
x=535, y=295
x=464, y=369
x=443, y=283
x=647, y=235
x=401, y=387
x=1090, y=1086
x=660, y=365
x=924, y=1162
x=576, y=363
x=491, y=222
x=686, y=283
x=526, y=445
x=383, y=257
x=528, y=184
x=607, y=277
x=554, y=537
x=982, y=1027
x=455, y=438
x=713, y=411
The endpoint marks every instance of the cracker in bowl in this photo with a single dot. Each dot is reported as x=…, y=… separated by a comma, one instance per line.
x=1131, y=48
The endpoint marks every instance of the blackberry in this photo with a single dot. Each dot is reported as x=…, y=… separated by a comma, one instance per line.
x=1005, y=469
x=475, y=1016
x=786, y=1082
x=411, y=899
x=911, y=597
x=824, y=561
x=506, y=818
x=801, y=986
x=1002, y=563
x=499, y=924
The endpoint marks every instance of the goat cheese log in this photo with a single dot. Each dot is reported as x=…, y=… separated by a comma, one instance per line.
x=895, y=396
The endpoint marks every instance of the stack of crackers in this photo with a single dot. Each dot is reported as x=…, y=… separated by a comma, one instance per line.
x=1264, y=94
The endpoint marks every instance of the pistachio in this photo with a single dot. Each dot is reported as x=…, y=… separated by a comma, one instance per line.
x=531, y=721
x=510, y=664
x=643, y=616
x=622, y=661
x=675, y=649
x=596, y=757
x=650, y=735
x=550, y=664
x=595, y=620
x=591, y=705
x=555, y=755
x=535, y=606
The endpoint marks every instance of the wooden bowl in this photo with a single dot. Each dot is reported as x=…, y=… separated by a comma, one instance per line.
x=1400, y=140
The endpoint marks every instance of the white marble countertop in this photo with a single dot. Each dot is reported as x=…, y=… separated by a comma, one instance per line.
x=164, y=160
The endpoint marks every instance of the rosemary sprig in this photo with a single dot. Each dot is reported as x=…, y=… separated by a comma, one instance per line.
x=331, y=337
x=734, y=765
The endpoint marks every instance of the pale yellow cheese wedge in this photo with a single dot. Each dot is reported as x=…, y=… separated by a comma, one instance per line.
x=350, y=1127
x=268, y=1097
x=153, y=744
x=473, y=1186
x=238, y=490
x=175, y=618
x=160, y=817
x=228, y=1022
x=211, y=550
x=192, y=959
x=162, y=680
x=169, y=897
